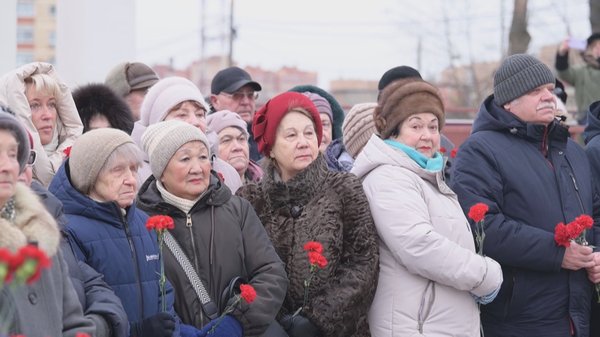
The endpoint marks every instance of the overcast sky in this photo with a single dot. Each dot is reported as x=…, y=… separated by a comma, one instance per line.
x=349, y=39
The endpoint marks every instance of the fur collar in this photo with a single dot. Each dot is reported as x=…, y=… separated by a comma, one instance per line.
x=300, y=189
x=32, y=224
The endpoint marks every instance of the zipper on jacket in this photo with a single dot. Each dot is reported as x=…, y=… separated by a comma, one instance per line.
x=188, y=224
x=137, y=266
x=577, y=192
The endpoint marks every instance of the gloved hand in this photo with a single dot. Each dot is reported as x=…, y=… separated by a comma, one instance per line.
x=487, y=298
x=228, y=326
x=159, y=325
x=299, y=326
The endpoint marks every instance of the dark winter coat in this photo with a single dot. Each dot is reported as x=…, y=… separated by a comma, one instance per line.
x=223, y=238
x=98, y=99
x=112, y=243
x=331, y=208
x=532, y=177
x=95, y=296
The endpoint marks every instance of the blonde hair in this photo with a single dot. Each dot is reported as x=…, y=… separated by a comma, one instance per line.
x=43, y=83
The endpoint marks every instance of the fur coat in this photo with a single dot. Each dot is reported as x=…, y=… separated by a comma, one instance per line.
x=331, y=208
x=48, y=307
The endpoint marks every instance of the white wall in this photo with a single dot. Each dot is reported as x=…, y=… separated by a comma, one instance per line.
x=92, y=37
x=8, y=35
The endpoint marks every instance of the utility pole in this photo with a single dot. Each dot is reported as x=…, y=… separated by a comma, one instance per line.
x=202, y=43
x=502, y=29
x=231, y=35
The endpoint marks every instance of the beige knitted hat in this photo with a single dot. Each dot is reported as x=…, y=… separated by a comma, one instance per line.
x=89, y=154
x=358, y=127
x=162, y=140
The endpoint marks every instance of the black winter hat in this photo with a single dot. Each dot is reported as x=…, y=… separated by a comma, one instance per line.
x=397, y=73
x=230, y=80
x=592, y=38
x=98, y=99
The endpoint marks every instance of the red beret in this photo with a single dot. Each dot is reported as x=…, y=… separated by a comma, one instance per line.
x=267, y=118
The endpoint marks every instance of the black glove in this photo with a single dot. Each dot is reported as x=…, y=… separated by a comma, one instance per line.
x=299, y=326
x=159, y=325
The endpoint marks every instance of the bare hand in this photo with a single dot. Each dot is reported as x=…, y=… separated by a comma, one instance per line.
x=594, y=272
x=577, y=257
x=564, y=47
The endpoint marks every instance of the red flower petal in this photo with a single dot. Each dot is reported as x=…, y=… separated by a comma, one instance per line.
x=442, y=149
x=453, y=152
x=561, y=235
x=160, y=222
x=477, y=212
x=585, y=221
x=67, y=151
x=247, y=293
x=313, y=246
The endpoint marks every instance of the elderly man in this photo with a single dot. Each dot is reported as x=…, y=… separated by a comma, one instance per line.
x=229, y=140
x=520, y=161
x=233, y=89
x=131, y=80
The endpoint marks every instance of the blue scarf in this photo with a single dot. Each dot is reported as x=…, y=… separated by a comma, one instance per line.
x=433, y=164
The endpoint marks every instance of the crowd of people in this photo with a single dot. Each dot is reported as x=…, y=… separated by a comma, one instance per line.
x=344, y=224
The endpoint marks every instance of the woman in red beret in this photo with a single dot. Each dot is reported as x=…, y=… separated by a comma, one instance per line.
x=300, y=201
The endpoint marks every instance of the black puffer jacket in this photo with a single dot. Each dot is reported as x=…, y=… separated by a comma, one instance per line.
x=225, y=238
x=331, y=208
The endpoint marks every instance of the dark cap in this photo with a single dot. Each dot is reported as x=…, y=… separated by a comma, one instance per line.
x=559, y=91
x=592, y=38
x=397, y=73
x=230, y=80
x=129, y=76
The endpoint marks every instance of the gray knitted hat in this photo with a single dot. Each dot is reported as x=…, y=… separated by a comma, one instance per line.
x=89, y=154
x=10, y=123
x=519, y=74
x=358, y=127
x=162, y=140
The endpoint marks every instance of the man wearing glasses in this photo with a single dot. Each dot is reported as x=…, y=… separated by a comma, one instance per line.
x=233, y=89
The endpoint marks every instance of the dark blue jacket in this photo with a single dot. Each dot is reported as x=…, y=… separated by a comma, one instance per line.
x=95, y=296
x=532, y=177
x=118, y=246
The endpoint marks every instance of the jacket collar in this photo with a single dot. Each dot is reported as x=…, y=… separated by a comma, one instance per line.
x=32, y=224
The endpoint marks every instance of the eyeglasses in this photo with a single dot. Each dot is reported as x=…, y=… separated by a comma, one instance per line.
x=239, y=95
x=32, y=157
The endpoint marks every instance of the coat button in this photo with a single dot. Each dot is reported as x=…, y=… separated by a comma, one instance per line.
x=560, y=153
x=33, y=298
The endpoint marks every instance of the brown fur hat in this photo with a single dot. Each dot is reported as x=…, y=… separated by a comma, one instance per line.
x=404, y=98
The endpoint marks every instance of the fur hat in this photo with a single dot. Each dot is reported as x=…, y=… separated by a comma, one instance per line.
x=220, y=120
x=519, y=74
x=358, y=127
x=128, y=76
x=267, y=119
x=336, y=109
x=10, y=123
x=401, y=99
x=98, y=99
x=162, y=140
x=89, y=154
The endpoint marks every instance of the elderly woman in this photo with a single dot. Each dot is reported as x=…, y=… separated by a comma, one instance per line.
x=431, y=278
x=100, y=107
x=45, y=106
x=299, y=200
x=229, y=138
x=97, y=186
x=178, y=98
x=48, y=307
x=217, y=232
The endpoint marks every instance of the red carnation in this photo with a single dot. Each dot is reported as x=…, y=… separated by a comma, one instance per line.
x=562, y=235
x=160, y=222
x=313, y=246
x=442, y=150
x=585, y=221
x=29, y=262
x=67, y=152
x=317, y=259
x=248, y=293
x=477, y=212
x=82, y=334
x=453, y=152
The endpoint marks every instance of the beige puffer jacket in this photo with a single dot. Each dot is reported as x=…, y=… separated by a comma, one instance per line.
x=69, y=126
x=428, y=264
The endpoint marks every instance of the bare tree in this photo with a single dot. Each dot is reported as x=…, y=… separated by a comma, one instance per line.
x=519, y=38
x=595, y=15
